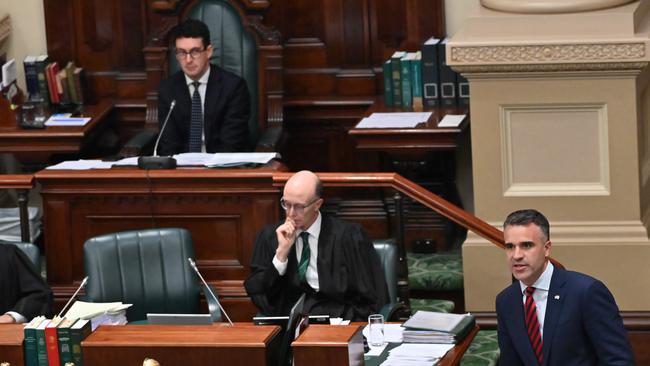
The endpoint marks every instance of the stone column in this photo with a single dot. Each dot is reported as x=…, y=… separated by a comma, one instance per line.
x=560, y=110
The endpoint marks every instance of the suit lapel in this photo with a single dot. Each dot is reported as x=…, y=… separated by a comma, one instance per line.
x=325, y=256
x=554, y=304
x=212, y=95
x=519, y=334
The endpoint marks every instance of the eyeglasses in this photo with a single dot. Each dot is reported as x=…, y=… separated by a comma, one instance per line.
x=193, y=53
x=297, y=207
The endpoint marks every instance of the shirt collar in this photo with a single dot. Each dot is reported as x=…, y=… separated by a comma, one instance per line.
x=314, y=229
x=203, y=79
x=543, y=282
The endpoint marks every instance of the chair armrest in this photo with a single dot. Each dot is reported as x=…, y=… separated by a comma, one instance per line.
x=271, y=140
x=394, y=311
x=213, y=306
x=140, y=144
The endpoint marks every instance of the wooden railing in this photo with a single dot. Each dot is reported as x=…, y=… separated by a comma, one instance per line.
x=22, y=183
x=415, y=192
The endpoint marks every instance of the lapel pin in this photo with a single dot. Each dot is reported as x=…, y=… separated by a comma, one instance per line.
x=557, y=297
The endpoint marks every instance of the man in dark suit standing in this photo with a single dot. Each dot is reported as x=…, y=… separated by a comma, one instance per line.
x=212, y=105
x=332, y=261
x=551, y=316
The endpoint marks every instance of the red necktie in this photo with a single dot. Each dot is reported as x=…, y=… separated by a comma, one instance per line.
x=532, y=324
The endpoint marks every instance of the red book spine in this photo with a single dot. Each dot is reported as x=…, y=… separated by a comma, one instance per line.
x=52, y=344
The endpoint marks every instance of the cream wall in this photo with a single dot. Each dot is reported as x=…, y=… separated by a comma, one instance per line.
x=27, y=31
x=456, y=12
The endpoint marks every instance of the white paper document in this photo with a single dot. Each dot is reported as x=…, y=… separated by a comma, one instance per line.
x=67, y=121
x=416, y=354
x=222, y=160
x=394, y=120
x=452, y=120
x=88, y=310
x=81, y=165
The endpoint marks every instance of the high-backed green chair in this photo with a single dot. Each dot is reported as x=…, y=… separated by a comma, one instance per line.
x=146, y=268
x=31, y=251
x=389, y=259
x=242, y=45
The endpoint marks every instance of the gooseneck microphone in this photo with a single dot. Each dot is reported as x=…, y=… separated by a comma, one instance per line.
x=193, y=265
x=83, y=283
x=155, y=161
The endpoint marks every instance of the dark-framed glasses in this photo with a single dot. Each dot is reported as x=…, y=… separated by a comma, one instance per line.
x=193, y=53
x=297, y=207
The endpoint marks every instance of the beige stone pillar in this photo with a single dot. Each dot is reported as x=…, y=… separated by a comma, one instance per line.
x=560, y=110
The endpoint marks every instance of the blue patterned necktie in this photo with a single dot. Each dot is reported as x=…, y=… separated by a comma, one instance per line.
x=196, y=124
x=304, y=258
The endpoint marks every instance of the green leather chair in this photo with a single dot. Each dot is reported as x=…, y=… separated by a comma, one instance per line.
x=31, y=250
x=146, y=268
x=389, y=258
x=246, y=49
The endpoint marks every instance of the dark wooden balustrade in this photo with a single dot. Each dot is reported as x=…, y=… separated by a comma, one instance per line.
x=22, y=183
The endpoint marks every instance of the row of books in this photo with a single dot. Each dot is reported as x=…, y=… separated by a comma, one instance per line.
x=52, y=83
x=54, y=342
x=423, y=78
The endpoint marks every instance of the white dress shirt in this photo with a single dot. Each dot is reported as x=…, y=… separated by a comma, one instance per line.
x=202, y=88
x=540, y=296
x=312, y=270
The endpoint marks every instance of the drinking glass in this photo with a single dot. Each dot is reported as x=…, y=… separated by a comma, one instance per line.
x=376, y=330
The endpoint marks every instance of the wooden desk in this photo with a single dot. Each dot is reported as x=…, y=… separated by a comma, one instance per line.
x=241, y=344
x=223, y=209
x=423, y=138
x=38, y=145
x=329, y=345
x=11, y=344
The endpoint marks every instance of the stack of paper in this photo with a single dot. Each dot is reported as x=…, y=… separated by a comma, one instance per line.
x=107, y=313
x=81, y=165
x=394, y=120
x=430, y=326
x=416, y=354
x=216, y=160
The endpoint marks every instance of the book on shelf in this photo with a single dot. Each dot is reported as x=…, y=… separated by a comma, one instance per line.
x=78, y=332
x=463, y=90
x=448, y=93
x=416, y=73
x=41, y=64
x=430, y=74
x=407, y=79
x=69, y=78
x=388, y=83
x=31, y=75
x=397, y=80
x=30, y=343
x=435, y=326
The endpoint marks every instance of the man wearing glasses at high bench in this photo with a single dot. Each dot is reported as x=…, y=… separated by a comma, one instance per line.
x=332, y=261
x=212, y=105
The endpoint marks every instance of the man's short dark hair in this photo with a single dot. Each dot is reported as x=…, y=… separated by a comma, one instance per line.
x=191, y=28
x=529, y=216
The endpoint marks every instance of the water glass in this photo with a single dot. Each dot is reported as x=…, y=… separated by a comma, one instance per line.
x=376, y=330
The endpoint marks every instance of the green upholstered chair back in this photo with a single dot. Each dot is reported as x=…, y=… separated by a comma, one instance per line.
x=389, y=258
x=235, y=49
x=31, y=250
x=146, y=268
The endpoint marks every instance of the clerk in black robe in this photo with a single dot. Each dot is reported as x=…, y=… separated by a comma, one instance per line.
x=23, y=293
x=346, y=279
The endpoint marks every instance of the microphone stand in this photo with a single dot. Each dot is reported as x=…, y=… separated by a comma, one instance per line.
x=193, y=265
x=155, y=161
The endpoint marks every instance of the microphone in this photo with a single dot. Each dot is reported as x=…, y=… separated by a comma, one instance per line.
x=193, y=265
x=83, y=283
x=155, y=161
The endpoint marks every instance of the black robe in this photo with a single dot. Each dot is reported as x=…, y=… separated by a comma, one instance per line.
x=21, y=287
x=351, y=280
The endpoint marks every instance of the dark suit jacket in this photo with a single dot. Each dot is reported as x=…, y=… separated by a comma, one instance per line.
x=582, y=325
x=351, y=282
x=21, y=287
x=226, y=113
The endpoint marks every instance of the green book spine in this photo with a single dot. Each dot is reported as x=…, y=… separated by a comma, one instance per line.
x=65, y=347
x=30, y=347
x=407, y=80
x=78, y=332
x=388, y=83
x=462, y=329
x=41, y=63
x=416, y=73
x=397, y=80
x=41, y=346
